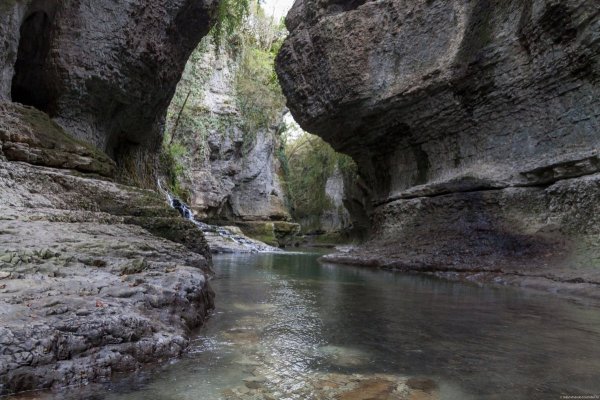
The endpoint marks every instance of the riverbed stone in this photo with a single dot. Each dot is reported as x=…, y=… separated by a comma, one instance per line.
x=255, y=382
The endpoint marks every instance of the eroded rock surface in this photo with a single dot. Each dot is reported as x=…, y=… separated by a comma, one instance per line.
x=231, y=171
x=27, y=134
x=475, y=123
x=105, y=71
x=95, y=277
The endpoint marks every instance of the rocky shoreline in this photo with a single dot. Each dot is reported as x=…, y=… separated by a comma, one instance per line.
x=574, y=289
x=96, y=277
x=519, y=236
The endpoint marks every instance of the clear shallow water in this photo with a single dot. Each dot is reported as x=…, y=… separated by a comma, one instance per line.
x=288, y=320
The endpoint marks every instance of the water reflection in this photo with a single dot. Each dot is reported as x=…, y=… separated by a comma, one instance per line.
x=285, y=324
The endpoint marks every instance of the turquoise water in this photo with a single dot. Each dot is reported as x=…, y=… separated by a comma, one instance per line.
x=289, y=321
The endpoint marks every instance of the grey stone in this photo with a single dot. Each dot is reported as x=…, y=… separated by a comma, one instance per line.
x=231, y=174
x=474, y=124
x=72, y=317
x=254, y=382
x=113, y=94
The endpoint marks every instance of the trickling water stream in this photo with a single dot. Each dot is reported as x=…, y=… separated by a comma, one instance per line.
x=296, y=329
x=221, y=240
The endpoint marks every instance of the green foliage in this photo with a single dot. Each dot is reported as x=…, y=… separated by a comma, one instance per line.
x=250, y=40
x=231, y=15
x=172, y=168
x=259, y=96
x=308, y=162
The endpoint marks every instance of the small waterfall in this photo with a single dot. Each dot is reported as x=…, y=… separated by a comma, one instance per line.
x=220, y=240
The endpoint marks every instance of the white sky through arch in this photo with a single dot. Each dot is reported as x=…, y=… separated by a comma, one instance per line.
x=277, y=8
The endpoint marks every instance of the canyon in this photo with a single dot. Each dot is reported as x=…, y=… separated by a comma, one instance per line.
x=474, y=133
x=98, y=274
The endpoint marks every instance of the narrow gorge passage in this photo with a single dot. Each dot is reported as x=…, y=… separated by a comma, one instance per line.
x=299, y=199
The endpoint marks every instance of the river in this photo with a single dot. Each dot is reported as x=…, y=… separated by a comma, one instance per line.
x=286, y=325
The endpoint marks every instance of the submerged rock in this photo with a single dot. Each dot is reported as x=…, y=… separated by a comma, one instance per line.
x=333, y=386
x=343, y=356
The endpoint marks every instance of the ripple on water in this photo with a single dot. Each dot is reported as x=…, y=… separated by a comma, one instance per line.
x=288, y=328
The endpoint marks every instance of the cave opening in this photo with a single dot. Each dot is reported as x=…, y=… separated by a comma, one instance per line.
x=29, y=84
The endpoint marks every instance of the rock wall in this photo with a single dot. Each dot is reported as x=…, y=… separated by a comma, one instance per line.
x=335, y=218
x=232, y=175
x=104, y=71
x=476, y=124
x=95, y=277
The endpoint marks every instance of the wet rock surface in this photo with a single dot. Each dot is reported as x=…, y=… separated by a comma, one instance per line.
x=475, y=125
x=220, y=239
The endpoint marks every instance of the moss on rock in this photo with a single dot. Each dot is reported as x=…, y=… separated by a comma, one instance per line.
x=29, y=135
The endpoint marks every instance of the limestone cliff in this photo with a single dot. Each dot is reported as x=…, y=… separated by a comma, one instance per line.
x=475, y=123
x=105, y=71
x=95, y=277
x=230, y=172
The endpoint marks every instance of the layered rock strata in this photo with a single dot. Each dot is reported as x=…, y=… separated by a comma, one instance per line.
x=231, y=173
x=95, y=277
x=105, y=71
x=476, y=125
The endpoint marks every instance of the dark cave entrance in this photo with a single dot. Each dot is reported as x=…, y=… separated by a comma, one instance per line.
x=29, y=85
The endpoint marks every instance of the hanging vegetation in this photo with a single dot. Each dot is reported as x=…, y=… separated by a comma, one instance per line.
x=259, y=97
x=308, y=163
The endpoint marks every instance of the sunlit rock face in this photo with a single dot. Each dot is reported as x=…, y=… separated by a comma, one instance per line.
x=486, y=108
x=104, y=70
